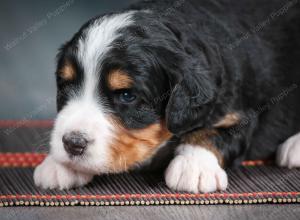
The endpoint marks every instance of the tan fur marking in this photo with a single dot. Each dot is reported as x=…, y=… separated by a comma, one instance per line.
x=67, y=72
x=229, y=120
x=117, y=79
x=202, y=139
x=130, y=147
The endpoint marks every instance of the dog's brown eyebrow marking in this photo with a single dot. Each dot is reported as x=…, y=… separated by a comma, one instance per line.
x=118, y=79
x=67, y=72
x=229, y=120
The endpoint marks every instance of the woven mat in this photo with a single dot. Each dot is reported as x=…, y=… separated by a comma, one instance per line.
x=252, y=183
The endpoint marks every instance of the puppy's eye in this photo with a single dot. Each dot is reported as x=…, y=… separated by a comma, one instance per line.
x=126, y=96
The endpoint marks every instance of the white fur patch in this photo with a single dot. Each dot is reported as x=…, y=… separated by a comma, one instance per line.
x=50, y=174
x=84, y=112
x=288, y=154
x=87, y=117
x=195, y=169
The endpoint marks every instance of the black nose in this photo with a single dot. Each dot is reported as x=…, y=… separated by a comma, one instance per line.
x=75, y=143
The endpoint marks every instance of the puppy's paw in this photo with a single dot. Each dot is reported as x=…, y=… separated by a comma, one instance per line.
x=288, y=154
x=195, y=169
x=50, y=174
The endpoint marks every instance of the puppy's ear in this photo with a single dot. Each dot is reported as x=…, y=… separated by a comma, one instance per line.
x=197, y=83
x=190, y=102
x=192, y=70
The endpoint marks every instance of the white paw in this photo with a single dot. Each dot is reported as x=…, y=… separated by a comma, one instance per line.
x=288, y=154
x=51, y=174
x=195, y=169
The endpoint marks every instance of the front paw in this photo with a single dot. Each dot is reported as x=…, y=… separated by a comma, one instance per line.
x=195, y=169
x=51, y=174
x=288, y=154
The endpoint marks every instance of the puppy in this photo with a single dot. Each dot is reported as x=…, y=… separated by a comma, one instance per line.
x=208, y=83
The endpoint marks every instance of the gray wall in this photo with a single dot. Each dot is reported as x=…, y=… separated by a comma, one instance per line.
x=31, y=31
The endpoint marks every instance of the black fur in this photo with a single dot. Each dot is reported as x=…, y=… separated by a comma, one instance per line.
x=193, y=61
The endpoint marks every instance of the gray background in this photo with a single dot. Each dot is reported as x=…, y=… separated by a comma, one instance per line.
x=31, y=33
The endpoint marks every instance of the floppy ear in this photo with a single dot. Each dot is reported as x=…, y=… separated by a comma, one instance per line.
x=191, y=101
x=192, y=69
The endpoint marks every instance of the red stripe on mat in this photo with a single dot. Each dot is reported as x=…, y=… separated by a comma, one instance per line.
x=157, y=196
x=26, y=123
x=21, y=159
x=34, y=159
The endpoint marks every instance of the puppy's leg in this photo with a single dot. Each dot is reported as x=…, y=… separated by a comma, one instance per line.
x=288, y=154
x=51, y=174
x=197, y=166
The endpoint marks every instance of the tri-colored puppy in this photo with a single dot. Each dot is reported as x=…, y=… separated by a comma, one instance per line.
x=210, y=83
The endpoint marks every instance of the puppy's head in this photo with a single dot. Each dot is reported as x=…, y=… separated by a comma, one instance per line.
x=116, y=99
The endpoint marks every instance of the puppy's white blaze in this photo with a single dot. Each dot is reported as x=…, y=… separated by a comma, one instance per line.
x=85, y=112
x=97, y=41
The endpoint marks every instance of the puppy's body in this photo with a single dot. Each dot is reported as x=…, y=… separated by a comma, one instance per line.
x=215, y=80
x=255, y=45
x=258, y=46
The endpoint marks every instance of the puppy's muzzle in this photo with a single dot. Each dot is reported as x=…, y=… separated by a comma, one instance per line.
x=75, y=143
